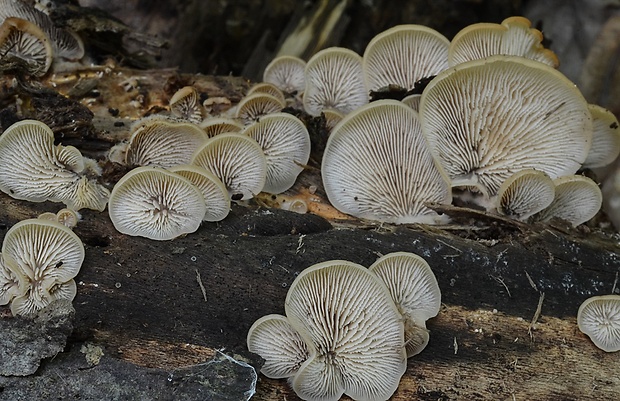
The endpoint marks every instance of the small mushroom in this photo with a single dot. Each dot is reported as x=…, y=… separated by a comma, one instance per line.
x=12, y=282
x=67, y=217
x=185, y=104
x=286, y=144
x=605, y=138
x=255, y=105
x=237, y=160
x=599, y=318
x=287, y=73
x=334, y=80
x=524, y=194
x=415, y=292
x=22, y=43
x=157, y=204
x=577, y=199
x=216, y=126
x=268, y=88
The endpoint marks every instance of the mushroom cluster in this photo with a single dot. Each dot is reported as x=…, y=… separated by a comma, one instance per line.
x=349, y=330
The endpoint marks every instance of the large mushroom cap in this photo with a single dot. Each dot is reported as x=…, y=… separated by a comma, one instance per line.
x=156, y=204
x=599, y=318
x=287, y=73
x=353, y=330
x=403, y=55
x=524, y=194
x=488, y=119
x=377, y=166
x=286, y=144
x=415, y=292
x=22, y=42
x=605, y=138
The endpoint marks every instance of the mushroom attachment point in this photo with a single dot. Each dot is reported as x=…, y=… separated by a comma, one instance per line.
x=599, y=318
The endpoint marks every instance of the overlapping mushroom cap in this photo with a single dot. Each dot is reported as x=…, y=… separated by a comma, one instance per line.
x=487, y=119
x=605, y=138
x=220, y=125
x=12, y=282
x=287, y=73
x=22, y=42
x=185, y=104
x=599, y=318
x=255, y=105
x=524, y=194
x=377, y=166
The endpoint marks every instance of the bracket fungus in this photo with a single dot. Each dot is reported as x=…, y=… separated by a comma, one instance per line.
x=513, y=37
x=599, y=318
x=524, y=194
x=213, y=190
x=487, y=119
x=404, y=54
x=185, y=104
x=334, y=80
x=287, y=73
x=286, y=144
x=220, y=125
x=255, y=105
x=377, y=166
x=237, y=160
x=22, y=43
x=605, y=138
x=157, y=204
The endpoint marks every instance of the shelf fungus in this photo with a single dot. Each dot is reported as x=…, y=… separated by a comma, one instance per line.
x=220, y=125
x=577, y=199
x=237, y=160
x=404, y=54
x=47, y=256
x=377, y=166
x=185, y=104
x=32, y=168
x=255, y=105
x=513, y=37
x=605, y=138
x=334, y=80
x=524, y=194
x=155, y=203
x=287, y=73
x=159, y=142
x=599, y=318
x=213, y=190
x=24, y=45
x=485, y=120
x=415, y=292
x=286, y=144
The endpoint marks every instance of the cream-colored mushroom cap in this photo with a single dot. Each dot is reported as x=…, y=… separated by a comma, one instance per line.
x=185, y=104
x=12, y=282
x=513, y=37
x=599, y=318
x=524, y=194
x=287, y=73
x=403, y=55
x=23, y=42
x=276, y=341
x=163, y=143
x=415, y=292
x=255, y=105
x=605, y=138
x=334, y=80
x=67, y=217
x=413, y=101
x=577, y=199
x=377, y=166
x=487, y=119
x=286, y=144
x=237, y=160
x=220, y=125
x=213, y=190
x=268, y=88
x=157, y=204
x=353, y=331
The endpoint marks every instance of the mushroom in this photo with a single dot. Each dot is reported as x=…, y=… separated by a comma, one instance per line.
x=599, y=318
x=237, y=160
x=332, y=118
x=286, y=144
x=487, y=119
x=524, y=194
x=22, y=43
x=605, y=138
x=185, y=104
x=415, y=292
x=268, y=88
x=157, y=204
x=255, y=105
x=513, y=37
x=216, y=126
x=403, y=55
x=577, y=199
x=48, y=255
x=67, y=217
x=163, y=143
x=213, y=190
x=377, y=166
x=353, y=331
x=334, y=80
x=276, y=341
x=12, y=283
x=287, y=73
x=413, y=101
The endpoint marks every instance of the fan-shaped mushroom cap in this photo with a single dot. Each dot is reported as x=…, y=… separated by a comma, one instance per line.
x=334, y=80
x=577, y=199
x=415, y=292
x=286, y=144
x=525, y=193
x=216, y=126
x=185, y=104
x=287, y=73
x=403, y=55
x=276, y=341
x=513, y=37
x=156, y=204
x=484, y=120
x=213, y=190
x=377, y=166
x=353, y=331
x=237, y=160
x=268, y=88
x=599, y=318
x=12, y=282
x=605, y=138
x=255, y=105
x=413, y=101
x=163, y=143
x=23, y=42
